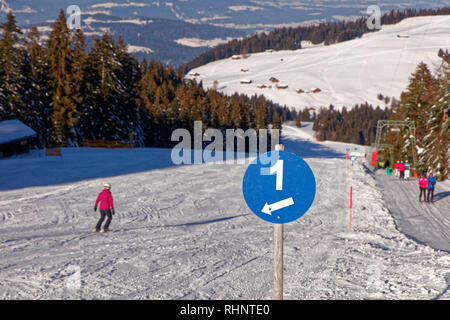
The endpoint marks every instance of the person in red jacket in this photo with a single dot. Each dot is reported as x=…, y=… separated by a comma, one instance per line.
x=106, y=208
x=423, y=185
x=396, y=172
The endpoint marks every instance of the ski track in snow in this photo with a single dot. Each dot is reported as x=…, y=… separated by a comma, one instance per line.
x=186, y=233
x=425, y=222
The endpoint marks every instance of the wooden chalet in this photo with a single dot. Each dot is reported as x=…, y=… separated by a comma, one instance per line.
x=274, y=80
x=16, y=138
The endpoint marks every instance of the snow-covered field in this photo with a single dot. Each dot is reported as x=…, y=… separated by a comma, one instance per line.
x=185, y=232
x=347, y=73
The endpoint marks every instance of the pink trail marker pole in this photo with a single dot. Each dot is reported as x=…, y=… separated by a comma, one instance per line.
x=346, y=160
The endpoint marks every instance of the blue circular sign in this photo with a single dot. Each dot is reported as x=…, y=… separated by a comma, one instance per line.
x=279, y=187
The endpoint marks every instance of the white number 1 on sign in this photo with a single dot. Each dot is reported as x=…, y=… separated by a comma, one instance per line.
x=278, y=169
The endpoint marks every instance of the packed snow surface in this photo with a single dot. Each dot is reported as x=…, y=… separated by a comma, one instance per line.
x=185, y=232
x=347, y=73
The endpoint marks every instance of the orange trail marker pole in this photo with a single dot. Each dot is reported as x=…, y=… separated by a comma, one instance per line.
x=350, y=216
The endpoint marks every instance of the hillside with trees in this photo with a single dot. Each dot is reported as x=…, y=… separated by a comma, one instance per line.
x=67, y=93
x=357, y=125
x=291, y=38
x=426, y=102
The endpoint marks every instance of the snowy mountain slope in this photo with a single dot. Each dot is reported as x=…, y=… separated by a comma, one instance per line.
x=186, y=29
x=347, y=73
x=186, y=233
x=151, y=38
x=243, y=14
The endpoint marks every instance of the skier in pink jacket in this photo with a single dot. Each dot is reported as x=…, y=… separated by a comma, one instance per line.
x=423, y=185
x=106, y=208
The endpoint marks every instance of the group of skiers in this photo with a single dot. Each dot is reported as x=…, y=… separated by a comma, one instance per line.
x=426, y=186
x=402, y=170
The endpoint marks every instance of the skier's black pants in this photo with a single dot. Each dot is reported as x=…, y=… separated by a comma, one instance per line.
x=430, y=191
x=424, y=191
x=103, y=214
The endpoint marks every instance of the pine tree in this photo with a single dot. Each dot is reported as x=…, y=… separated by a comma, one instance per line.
x=424, y=103
x=261, y=117
x=436, y=143
x=36, y=99
x=11, y=78
x=145, y=105
x=104, y=93
x=305, y=116
x=237, y=114
x=276, y=120
x=415, y=106
x=129, y=74
x=62, y=93
x=79, y=63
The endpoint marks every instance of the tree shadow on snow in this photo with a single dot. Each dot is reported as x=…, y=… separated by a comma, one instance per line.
x=80, y=164
x=207, y=221
x=308, y=149
x=441, y=195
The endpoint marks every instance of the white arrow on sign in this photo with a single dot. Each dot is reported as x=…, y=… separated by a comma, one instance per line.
x=269, y=208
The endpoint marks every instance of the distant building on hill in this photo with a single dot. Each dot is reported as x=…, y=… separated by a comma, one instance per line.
x=274, y=80
x=15, y=138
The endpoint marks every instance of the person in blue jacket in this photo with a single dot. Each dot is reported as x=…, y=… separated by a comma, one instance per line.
x=431, y=184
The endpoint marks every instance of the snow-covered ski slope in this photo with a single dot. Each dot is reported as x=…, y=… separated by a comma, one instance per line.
x=426, y=222
x=347, y=73
x=185, y=232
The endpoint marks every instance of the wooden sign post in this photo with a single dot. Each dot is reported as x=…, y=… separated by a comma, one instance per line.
x=278, y=252
x=278, y=261
x=280, y=199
